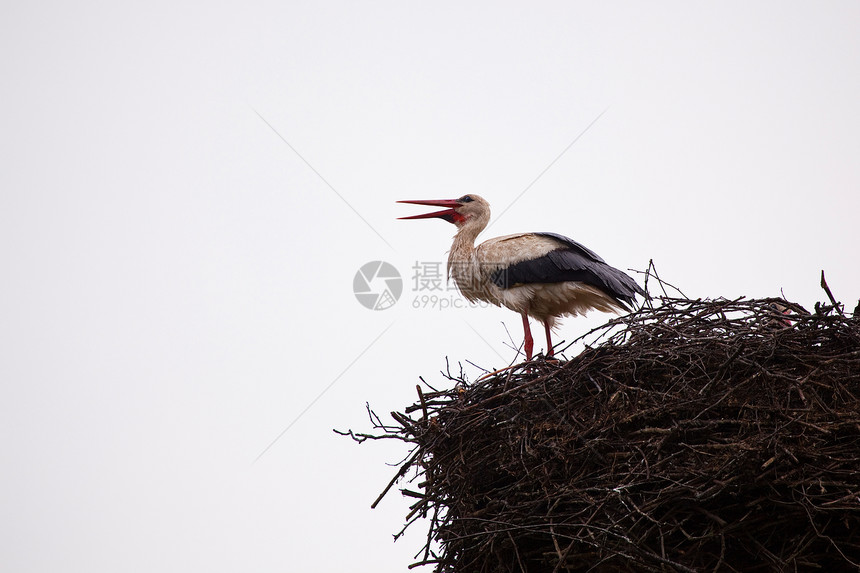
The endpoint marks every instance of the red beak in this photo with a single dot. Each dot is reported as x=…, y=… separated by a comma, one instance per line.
x=448, y=214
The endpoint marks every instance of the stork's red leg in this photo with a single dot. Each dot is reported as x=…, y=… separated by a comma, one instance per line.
x=549, y=351
x=529, y=343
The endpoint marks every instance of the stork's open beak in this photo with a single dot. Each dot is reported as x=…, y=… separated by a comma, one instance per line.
x=447, y=214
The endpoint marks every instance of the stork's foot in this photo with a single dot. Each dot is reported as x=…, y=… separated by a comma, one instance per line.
x=541, y=358
x=550, y=358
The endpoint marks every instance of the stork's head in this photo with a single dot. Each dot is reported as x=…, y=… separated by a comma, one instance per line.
x=469, y=210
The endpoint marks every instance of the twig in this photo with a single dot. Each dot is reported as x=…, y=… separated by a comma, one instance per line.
x=836, y=305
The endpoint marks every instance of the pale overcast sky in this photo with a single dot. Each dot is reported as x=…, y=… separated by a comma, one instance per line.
x=177, y=283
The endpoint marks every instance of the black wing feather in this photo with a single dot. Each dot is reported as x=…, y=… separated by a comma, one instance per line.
x=573, y=245
x=570, y=262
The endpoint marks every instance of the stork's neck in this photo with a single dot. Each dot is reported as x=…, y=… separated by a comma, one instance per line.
x=463, y=265
x=464, y=241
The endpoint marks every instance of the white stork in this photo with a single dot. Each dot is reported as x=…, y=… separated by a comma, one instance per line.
x=543, y=275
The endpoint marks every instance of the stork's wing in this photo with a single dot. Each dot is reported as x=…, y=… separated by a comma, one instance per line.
x=571, y=261
x=573, y=245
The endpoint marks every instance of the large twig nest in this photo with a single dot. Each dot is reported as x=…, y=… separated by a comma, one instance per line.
x=697, y=436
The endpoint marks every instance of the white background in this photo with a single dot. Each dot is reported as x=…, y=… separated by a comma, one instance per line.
x=177, y=282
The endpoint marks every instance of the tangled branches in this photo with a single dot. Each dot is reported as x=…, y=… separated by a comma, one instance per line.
x=701, y=435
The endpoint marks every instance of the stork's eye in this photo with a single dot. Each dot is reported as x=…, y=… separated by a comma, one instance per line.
x=465, y=199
